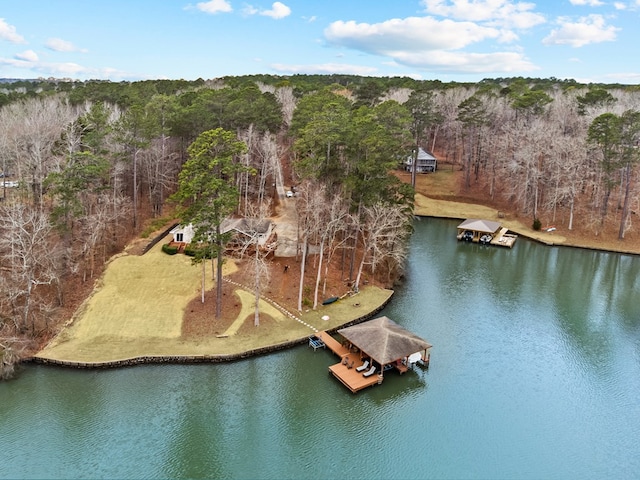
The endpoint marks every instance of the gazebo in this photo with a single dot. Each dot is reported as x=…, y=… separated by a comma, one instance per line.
x=475, y=230
x=387, y=344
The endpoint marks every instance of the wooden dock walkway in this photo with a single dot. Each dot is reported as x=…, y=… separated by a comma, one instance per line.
x=504, y=239
x=334, y=345
x=345, y=370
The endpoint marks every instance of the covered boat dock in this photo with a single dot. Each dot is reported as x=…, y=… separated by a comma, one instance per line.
x=485, y=232
x=371, y=348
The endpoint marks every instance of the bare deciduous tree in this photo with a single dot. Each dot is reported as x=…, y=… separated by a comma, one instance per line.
x=160, y=169
x=35, y=125
x=30, y=259
x=287, y=101
x=384, y=231
x=310, y=203
x=258, y=268
x=334, y=221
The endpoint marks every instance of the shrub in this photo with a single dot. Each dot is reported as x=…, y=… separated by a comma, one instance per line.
x=193, y=249
x=169, y=249
x=537, y=224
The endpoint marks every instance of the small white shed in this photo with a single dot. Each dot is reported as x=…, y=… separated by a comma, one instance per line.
x=182, y=233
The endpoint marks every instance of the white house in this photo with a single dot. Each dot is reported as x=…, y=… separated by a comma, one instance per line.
x=426, y=162
x=182, y=233
x=248, y=227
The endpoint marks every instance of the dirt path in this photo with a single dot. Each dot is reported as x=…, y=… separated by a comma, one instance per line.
x=286, y=222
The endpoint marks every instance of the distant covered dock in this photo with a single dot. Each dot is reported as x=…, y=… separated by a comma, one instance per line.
x=485, y=232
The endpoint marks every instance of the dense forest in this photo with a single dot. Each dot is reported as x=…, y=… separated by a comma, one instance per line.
x=87, y=166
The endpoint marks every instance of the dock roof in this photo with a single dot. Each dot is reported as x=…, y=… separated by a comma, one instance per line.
x=384, y=340
x=478, y=225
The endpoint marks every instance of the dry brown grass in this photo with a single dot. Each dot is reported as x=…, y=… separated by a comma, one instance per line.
x=150, y=305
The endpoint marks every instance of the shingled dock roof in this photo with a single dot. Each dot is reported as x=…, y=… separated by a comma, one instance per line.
x=477, y=225
x=384, y=340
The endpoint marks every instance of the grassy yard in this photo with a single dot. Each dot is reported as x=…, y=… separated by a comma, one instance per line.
x=138, y=307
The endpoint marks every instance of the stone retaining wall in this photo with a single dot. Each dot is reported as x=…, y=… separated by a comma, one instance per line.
x=158, y=238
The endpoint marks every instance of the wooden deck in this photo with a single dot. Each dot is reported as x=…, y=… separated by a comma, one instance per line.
x=504, y=239
x=351, y=378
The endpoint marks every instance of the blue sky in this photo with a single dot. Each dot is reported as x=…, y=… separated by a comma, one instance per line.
x=448, y=40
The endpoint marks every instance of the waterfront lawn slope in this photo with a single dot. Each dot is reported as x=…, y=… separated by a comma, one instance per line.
x=136, y=313
x=442, y=195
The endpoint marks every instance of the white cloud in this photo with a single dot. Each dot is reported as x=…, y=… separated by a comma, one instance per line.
x=27, y=56
x=66, y=68
x=462, y=62
x=16, y=62
x=51, y=69
x=324, y=68
x=278, y=10
x=59, y=45
x=9, y=33
x=624, y=78
x=590, y=3
x=249, y=10
x=590, y=29
x=504, y=13
x=413, y=34
x=214, y=6
x=33, y=67
x=431, y=44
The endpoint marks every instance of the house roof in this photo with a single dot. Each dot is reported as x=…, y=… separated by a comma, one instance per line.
x=246, y=226
x=424, y=155
x=477, y=225
x=180, y=228
x=384, y=340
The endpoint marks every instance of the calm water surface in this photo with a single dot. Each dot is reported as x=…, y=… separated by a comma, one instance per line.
x=535, y=373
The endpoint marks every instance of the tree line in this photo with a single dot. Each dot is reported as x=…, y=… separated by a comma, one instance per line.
x=87, y=165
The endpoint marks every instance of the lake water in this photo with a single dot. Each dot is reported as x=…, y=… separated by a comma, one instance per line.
x=535, y=373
